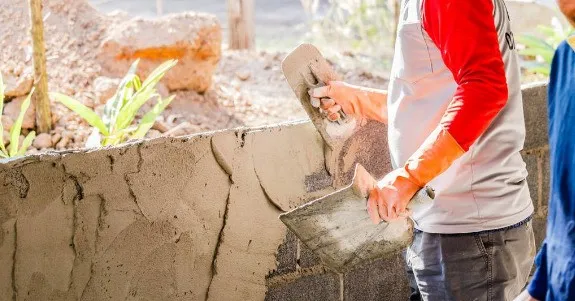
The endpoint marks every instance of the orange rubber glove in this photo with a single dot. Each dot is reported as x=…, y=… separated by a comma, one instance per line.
x=389, y=199
x=354, y=100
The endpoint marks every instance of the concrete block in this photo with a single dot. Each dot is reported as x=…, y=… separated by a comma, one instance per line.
x=546, y=172
x=532, y=178
x=368, y=147
x=323, y=287
x=382, y=280
x=539, y=229
x=535, y=111
x=286, y=256
x=307, y=258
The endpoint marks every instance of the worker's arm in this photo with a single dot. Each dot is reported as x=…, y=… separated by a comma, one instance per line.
x=465, y=33
x=353, y=100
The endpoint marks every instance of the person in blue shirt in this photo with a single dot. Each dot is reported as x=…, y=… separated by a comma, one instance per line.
x=554, y=278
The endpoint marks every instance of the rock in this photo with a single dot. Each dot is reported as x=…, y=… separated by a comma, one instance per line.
x=20, y=140
x=7, y=122
x=179, y=130
x=162, y=90
x=12, y=110
x=42, y=141
x=105, y=87
x=18, y=85
x=160, y=127
x=55, y=138
x=243, y=74
x=63, y=143
x=194, y=39
x=154, y=134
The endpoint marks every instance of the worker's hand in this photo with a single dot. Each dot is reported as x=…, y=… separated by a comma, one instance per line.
x=356, y=101
x=335, y=96
x=525, y=297
x=388, y=201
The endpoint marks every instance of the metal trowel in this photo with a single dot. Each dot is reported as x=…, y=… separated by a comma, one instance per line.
x=338, y=229
x=305, y=68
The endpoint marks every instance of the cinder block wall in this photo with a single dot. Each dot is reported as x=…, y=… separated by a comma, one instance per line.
x=196, y=218
x=299, y=275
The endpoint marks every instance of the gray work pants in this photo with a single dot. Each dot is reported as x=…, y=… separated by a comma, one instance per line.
x=487, y=266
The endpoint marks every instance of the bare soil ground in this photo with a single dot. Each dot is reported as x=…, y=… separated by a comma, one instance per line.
x=249, y=88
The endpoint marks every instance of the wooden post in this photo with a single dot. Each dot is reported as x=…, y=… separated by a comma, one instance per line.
x=40, y=97
x=241, y=24
x=396, y=13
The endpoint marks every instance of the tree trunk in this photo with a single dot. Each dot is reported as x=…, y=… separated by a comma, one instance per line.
x=241, y=24
x=40, y=97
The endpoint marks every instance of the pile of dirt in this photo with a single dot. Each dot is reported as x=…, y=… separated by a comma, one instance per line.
x=248, y=88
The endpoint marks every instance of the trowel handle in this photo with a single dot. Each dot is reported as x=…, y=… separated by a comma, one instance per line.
x=422, y=198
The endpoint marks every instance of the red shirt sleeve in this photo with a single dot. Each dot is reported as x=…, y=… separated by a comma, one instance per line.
x=464, y=31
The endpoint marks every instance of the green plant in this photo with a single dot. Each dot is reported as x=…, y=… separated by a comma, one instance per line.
x=13, y=149
x=543, y=49
x=116, y=126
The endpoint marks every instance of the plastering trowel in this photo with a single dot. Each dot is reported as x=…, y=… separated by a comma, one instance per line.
x=337, y=227
x=339, y=230
x=305, y=68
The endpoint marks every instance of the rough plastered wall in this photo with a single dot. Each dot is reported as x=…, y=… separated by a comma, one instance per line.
x=196, y=218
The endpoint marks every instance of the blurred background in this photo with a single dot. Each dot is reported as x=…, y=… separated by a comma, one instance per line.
x=229, y=71
x=358, y=32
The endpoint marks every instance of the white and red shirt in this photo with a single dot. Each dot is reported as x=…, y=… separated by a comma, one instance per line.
x=455, y=64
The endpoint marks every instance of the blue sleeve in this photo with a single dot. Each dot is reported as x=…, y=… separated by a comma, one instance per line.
x=538, y=286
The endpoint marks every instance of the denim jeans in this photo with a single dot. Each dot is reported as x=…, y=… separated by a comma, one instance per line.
x=486, y=266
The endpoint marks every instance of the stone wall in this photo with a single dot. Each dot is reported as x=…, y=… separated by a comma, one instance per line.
x=196, y=218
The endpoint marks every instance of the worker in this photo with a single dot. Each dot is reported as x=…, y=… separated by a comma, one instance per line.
x=554, y=278
x=455, y=122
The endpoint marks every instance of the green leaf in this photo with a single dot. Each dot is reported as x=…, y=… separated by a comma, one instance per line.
x=17, y=127
x=26, y=143
x=530, y=52
x=537, y=67
x=148, y=120
x=86, y=113
x=137, y=83
x=548, y=31
x=533, y=41
x=127, y=114
x=158, y=73
x=115, y=104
